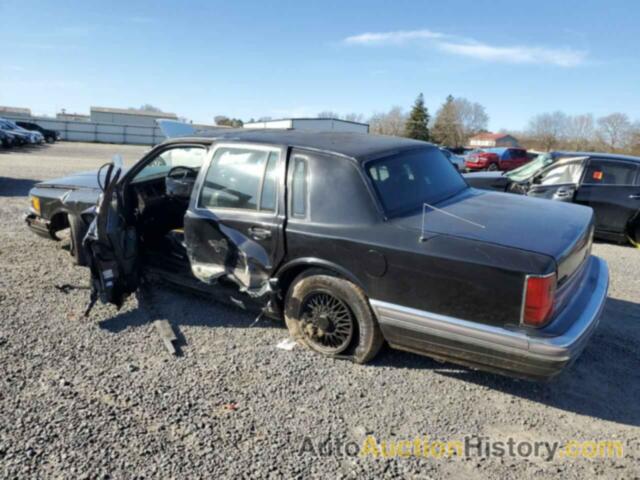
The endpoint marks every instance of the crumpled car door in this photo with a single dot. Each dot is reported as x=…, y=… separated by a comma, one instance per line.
x=111, y=247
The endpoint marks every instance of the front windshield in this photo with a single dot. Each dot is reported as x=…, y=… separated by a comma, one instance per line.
x=527, y=170
x=407, y=180
x=190, y=157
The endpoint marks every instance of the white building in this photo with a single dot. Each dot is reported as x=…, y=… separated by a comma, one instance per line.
x=490, y=140
x=312, y=125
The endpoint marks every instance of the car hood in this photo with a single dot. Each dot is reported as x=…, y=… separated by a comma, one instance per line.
x=87, y=179
x=541, y=226
x=19, y=133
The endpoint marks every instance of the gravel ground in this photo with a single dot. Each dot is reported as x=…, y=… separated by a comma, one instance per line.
x=101, y=398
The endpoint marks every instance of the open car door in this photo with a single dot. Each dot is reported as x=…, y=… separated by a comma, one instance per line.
x=111, y=245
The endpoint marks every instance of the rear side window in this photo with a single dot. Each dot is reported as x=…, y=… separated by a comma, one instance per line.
x=299, y=187
x=600, y=172
x=406, y=180
x=235, y=177
x=269, y=185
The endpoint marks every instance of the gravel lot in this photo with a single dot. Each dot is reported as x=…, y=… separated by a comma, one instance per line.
x=101, y=398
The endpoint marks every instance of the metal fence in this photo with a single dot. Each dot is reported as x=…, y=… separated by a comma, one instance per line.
x=87, y=131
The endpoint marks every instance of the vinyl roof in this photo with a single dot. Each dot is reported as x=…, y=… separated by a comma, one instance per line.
x=360, y=146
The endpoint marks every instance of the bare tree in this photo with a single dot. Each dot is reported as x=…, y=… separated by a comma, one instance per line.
x=147, y=107
x=580, y=131
x=634, y=140
x=328, y=114
x=354, y=117
x=615, y=130
x=391, y=123
x=548, y=129
x=351, y=117
x=472, y=118
x=224, y=121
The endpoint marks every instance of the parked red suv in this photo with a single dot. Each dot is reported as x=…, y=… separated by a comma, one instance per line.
x=496, y=159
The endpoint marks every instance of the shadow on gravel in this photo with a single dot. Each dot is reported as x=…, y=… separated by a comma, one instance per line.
x=16, y=187
x=185, y=308
x=23, y=149
x=603, y=383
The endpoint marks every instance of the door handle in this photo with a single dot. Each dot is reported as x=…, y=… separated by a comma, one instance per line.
x=259, y=233
x=634, y=196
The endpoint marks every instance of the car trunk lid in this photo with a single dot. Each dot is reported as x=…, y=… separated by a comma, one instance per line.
x=558, y=230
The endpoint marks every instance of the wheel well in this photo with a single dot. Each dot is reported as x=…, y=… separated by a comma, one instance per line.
x=58, y=222
x=633, y=227
x=285, y=280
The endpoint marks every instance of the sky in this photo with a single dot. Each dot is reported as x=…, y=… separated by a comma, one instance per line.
x=275, y=58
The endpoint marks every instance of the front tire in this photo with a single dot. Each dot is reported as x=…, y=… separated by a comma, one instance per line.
x=77, y=232
x=332, y=316
x=492, y=167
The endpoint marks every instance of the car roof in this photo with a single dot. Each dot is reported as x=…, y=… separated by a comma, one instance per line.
x=612, y=156
x=359, y=146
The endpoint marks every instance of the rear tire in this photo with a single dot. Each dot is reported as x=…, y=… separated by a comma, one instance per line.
x=77, y=232
x=332, y=316
x=492, y=167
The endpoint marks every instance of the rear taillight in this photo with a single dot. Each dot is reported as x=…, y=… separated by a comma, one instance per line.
x=539, y=296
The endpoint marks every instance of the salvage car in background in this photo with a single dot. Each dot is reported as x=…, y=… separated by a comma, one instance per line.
x=28, y=136
x=354, y=239
x=50, y=136
x=608, y=183
x=457, y=160
x=517, y=180
x=496, y=159
x=7, y=139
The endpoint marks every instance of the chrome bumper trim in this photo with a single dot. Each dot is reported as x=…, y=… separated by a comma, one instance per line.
x=586, y=307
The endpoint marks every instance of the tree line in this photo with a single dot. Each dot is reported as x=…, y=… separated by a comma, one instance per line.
x=615, y=133
x=454, y=123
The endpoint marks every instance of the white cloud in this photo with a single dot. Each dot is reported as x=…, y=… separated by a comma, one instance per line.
x=395, y=38
x=561, y=57
x=517, y=54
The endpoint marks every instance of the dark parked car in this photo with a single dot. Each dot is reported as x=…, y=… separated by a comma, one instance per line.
x=15, y=133
x=50, y=136
x=331, y=231
x=608, y=183
x=496, y=159
x=7, y=139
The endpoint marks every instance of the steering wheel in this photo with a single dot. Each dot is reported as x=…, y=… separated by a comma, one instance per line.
x=181, y=173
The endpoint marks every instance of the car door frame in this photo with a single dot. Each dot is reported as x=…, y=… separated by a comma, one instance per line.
x=115, y=271
x=264, y=219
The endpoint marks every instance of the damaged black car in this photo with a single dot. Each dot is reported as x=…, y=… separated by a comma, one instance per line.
x=352, y=239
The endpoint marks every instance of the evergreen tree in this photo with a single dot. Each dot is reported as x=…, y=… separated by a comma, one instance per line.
x=447, y=128
x=418, y=122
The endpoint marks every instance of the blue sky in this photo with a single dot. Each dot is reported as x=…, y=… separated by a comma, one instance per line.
x=251, y=59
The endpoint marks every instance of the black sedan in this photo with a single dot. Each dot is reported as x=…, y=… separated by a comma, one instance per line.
x=50, y=136
x=353, y=239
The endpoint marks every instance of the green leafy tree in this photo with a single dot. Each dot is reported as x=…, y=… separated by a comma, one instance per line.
x=417, y=125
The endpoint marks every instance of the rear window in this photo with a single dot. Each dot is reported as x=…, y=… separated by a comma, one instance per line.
x=407, y=180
